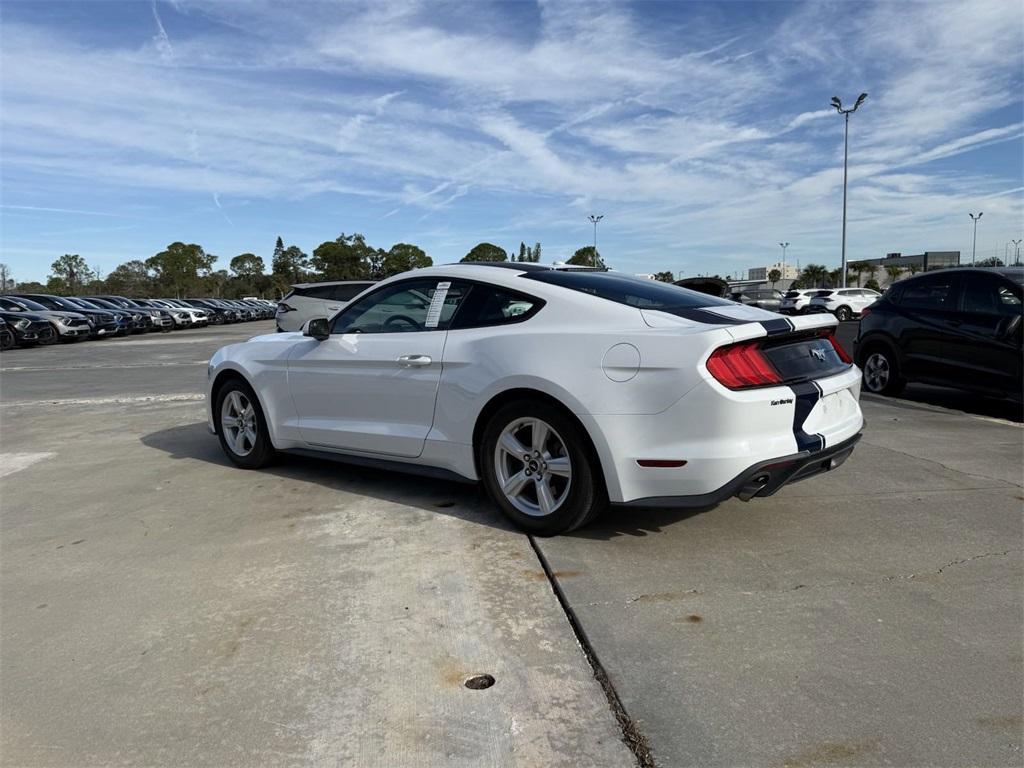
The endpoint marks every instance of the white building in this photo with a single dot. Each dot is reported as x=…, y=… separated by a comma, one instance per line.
x=761, y=273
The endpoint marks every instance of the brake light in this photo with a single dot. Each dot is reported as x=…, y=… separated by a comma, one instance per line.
x=838, y=348
x=282, y=307
x=739, y=366
x=865, y=312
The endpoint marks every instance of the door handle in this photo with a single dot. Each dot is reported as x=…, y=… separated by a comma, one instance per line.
x=418, y=360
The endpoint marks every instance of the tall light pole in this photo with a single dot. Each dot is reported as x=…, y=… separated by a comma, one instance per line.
x=846, y=147
x=1016, y=251
x=975, y=219
x=594, y=219
x=784, y=247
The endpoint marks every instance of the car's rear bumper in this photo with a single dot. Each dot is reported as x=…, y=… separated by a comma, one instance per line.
x=763, y=479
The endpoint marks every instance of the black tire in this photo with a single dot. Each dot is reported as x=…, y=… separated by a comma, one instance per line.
x=262, y=452
x=881, y=373
x=843, y=314
x=6, y=340
x=584, y=496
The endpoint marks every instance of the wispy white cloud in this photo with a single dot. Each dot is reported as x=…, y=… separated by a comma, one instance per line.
x=527, y=122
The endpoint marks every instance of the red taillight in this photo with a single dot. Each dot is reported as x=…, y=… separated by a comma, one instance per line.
x=865, y=312
x=839, y=348
x=742, y=365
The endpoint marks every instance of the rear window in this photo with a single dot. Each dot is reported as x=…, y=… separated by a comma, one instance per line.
x=631, y=291
x=792, y=294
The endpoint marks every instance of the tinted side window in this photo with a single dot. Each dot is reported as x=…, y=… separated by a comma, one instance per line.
x=492, y=305
x=320, y=291
x=347, y=292
x=415, y=305
x=930, y=293
x=989, y=296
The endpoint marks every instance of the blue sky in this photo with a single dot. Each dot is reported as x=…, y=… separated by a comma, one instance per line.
x=700, y=130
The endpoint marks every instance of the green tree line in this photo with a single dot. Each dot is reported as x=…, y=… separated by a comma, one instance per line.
x=187, y=269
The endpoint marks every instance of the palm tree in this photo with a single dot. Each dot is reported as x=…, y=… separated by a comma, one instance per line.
x=813, y=275
x=774, y=276
x=858, y=268
x=894, y=271
x=913, y=268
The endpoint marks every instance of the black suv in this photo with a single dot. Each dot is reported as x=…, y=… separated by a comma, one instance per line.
x=953, y=327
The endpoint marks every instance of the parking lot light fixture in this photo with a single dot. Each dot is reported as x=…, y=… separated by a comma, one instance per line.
x=846, y=146
x=974, y=248
x=784, y=246
x=594, y=219
x=1016, y=252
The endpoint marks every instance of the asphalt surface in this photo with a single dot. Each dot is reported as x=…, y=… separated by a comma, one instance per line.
x=161, y=607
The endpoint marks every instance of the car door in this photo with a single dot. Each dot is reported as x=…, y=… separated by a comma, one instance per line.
x=983, y=344
x=372, y=385
x=926, y=305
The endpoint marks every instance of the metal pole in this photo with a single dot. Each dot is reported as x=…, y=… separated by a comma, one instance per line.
x=974, y=247
x=846, y=155
x=594, y=219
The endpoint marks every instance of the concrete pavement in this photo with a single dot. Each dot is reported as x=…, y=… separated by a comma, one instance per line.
x=160, y=607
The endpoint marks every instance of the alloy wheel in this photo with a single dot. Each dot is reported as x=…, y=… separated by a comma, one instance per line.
x=877, y=372
x=533, y=467
x=238, y=423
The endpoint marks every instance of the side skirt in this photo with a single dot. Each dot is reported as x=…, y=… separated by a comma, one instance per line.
x=390, y=465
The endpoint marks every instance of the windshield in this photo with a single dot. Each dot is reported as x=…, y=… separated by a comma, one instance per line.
x=631, y=291
x=28, y=304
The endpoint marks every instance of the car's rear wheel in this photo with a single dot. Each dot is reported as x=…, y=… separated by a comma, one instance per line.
x=843, y=314
x=882, y=372
x=537, y=466
x=241, y=426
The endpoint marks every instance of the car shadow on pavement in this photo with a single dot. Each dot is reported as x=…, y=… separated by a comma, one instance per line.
x=462, y=500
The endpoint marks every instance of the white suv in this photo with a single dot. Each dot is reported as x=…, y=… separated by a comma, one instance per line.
x=844, y=303
x=795, y=301
x=308, y=300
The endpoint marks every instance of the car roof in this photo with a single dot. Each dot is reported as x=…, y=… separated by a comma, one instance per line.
x=334, y=282
x=1016, y=274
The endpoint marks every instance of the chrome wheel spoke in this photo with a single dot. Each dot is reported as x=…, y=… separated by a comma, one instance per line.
x=514, y=485
x=230, y=421
x=539, y=432
x=511, y=445
x=545, y=498
x=560, y=466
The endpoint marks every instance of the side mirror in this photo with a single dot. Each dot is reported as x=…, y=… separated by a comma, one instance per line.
x=317, y=328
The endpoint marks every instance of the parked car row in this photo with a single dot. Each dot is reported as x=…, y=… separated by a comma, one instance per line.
x=844, y=303
x=31, y=319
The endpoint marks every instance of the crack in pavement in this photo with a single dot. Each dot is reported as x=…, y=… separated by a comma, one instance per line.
x=1002, y=482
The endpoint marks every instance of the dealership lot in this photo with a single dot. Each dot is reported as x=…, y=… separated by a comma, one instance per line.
x=161, y=607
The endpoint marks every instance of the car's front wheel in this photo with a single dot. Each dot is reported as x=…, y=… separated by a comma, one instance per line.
x=882, y=372
x=241, y=426
x=538, y=467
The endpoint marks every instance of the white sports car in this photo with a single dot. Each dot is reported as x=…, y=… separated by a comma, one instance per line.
x=561, y=391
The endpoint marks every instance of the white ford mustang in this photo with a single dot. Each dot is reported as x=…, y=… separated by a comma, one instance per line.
x=561, y=391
